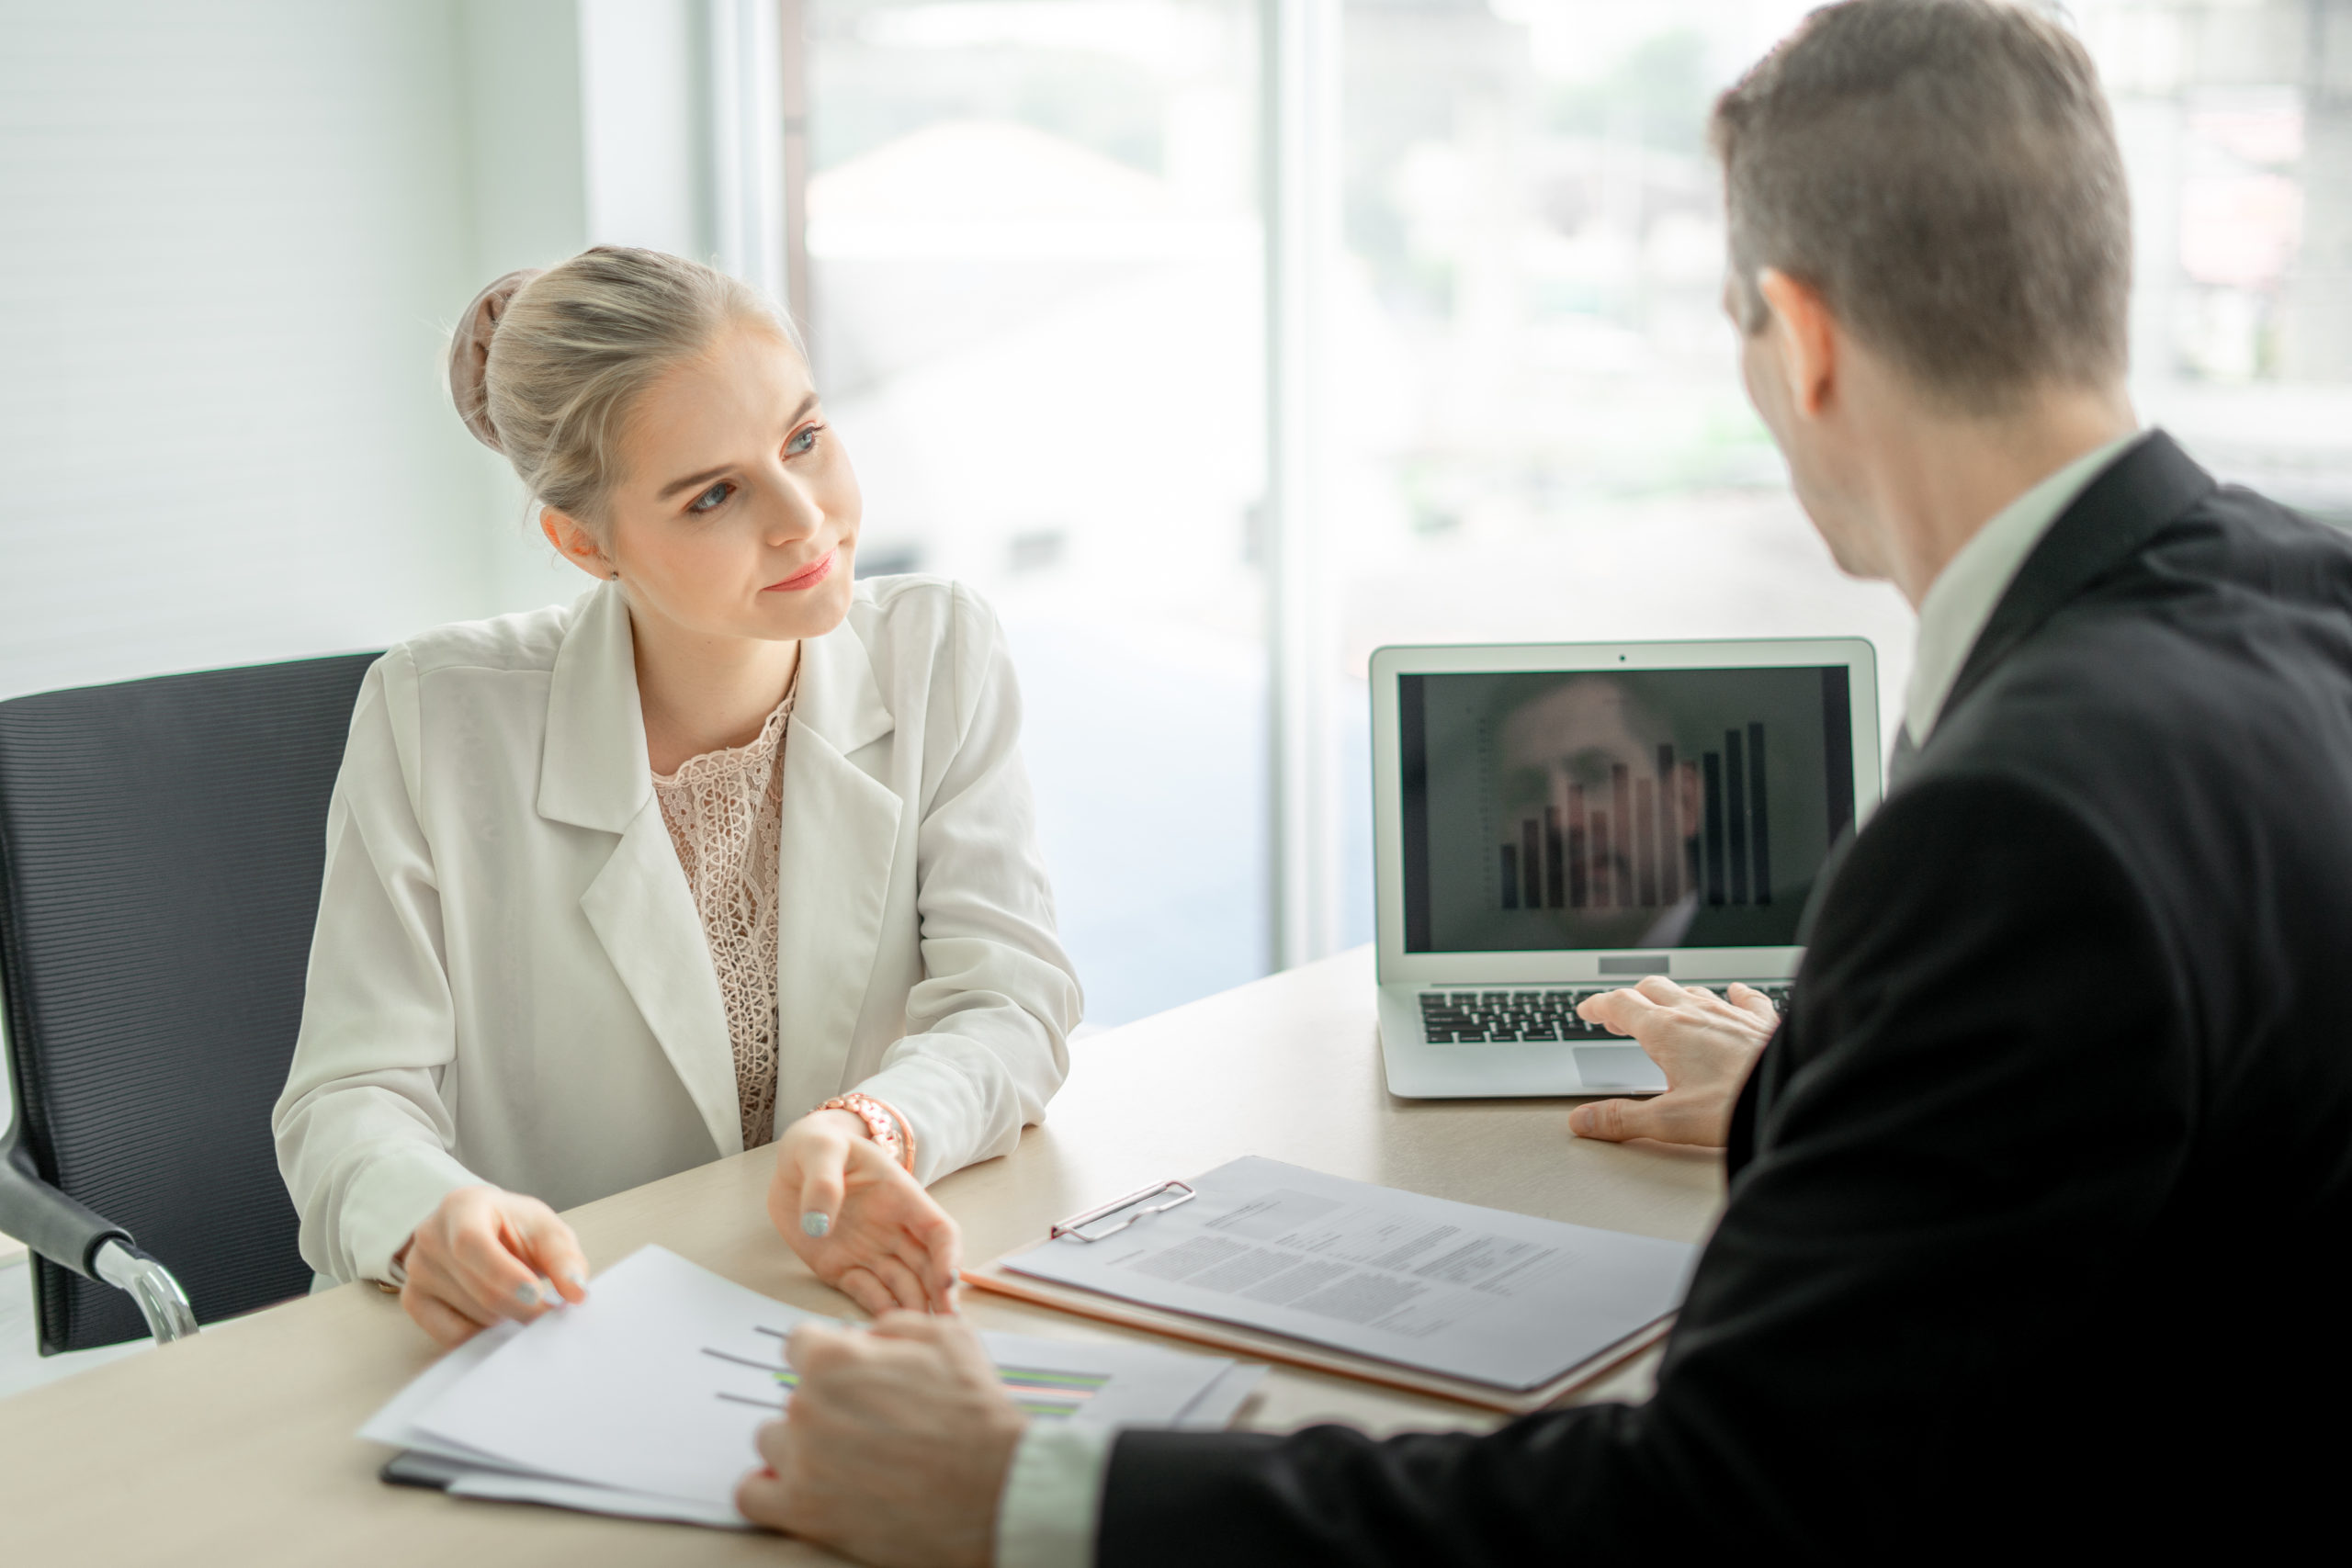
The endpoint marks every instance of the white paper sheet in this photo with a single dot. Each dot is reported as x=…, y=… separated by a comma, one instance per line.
x=644, y=1400
x=622, y=1391
x=1492, y=1297
x=394, y=1424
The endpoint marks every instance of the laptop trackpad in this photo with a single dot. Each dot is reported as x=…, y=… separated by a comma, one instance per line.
x=1617, y=1067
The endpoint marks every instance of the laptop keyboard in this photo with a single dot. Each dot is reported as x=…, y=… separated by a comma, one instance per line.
x=1466, y=1018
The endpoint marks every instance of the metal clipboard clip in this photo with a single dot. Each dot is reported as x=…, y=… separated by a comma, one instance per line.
x=1076, y=1225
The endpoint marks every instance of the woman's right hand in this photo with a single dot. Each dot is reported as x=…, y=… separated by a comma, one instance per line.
x=485, y=1256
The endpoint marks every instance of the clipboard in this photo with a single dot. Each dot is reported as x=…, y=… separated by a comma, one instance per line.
x=1264, y=1345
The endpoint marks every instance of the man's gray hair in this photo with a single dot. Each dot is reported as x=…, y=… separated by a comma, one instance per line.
x=1944, y=173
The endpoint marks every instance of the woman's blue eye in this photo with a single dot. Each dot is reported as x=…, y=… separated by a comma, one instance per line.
x=802, y=440
x=710, y=498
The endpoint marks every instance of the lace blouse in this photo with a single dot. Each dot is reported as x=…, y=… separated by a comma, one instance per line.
x=725, y=813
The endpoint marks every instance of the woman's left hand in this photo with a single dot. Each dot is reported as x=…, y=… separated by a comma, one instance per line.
x=860, y=1220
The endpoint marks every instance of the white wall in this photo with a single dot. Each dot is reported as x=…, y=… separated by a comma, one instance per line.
x=233, y=236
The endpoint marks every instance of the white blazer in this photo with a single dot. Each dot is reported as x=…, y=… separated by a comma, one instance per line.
x=510, y=984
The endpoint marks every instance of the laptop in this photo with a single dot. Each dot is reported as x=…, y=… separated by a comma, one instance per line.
x=1554, y=820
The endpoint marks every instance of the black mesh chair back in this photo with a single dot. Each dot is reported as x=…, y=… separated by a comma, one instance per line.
x=162, y=844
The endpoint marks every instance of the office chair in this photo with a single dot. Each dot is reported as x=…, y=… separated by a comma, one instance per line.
x=161, y=843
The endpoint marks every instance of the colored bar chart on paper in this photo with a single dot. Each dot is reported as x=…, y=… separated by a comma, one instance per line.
x=1050, y=1395
x=1038, y=1391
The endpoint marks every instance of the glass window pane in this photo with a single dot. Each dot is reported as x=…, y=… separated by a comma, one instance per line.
x=1036, y=301
x=2236, y=126
x=1543, y=433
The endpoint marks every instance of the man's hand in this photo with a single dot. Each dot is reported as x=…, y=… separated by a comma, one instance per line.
x=895, y=1446
x=486, y=1255
x=856, y=1218
x=1704, y=1043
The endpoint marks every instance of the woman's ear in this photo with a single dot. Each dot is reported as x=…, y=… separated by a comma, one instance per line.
x=575, y=543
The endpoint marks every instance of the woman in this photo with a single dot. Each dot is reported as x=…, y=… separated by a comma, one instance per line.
x=731, y=850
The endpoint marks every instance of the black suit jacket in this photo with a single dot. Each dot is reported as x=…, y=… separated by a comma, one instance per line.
x=2037, y=1217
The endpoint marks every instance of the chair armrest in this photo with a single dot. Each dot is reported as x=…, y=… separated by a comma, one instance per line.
x=75, y=1238
x=49, y=1221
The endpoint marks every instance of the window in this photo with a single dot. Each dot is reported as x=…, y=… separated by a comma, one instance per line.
x=1035, y=309
x=1037, y=245
x=2236, y=126
x=1541, y=433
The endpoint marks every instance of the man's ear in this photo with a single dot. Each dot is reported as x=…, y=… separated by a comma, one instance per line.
x=574, y=543
x=1808, y=340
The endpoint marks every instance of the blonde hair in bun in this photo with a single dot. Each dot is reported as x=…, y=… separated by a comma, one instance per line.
x=544, y=366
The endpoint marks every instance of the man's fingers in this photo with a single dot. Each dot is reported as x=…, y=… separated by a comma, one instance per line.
x=1614, y=1121
x=916, y=1325
x=961, y=1343
x=952, y=1337
x=763, y=1498
x=812, y=1348
x=1620, y=1011
x=820, y=1190
x=1659, y=989
x=1749, y=1000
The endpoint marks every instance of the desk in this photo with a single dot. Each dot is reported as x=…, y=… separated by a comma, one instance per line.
x=237, y=1447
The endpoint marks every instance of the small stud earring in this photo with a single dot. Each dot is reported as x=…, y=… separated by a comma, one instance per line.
x=617, y=577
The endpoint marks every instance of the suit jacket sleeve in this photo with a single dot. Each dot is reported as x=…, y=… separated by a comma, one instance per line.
x=988, y=1026
x=363, y=1134
x=1980, y=1100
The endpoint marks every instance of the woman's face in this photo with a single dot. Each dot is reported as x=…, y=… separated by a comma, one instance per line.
x=735, y=512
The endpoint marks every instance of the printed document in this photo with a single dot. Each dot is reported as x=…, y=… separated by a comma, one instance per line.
x=644, y=1399
x=1480, y=1295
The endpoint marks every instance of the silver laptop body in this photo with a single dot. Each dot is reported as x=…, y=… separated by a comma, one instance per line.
x=1550, y=820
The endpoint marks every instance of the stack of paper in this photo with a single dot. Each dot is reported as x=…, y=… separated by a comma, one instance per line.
x=643, y=1400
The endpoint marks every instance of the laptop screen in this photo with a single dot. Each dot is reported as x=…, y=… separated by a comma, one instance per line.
x=1650, y=808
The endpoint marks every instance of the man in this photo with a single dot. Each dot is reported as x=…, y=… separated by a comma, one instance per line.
x=2040, y=1194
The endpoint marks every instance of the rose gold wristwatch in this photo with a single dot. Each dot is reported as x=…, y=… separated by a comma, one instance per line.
x=882, y=1124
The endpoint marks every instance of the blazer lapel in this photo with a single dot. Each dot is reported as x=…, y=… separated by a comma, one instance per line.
x=2139, y=495
x=595, y=774
x=643, y=912
x=839, y=840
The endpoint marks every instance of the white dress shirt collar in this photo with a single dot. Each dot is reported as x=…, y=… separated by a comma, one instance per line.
x=1964, y=594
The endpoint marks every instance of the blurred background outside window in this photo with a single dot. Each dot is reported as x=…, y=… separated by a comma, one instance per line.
x=1035, y=303
x=1544, y=436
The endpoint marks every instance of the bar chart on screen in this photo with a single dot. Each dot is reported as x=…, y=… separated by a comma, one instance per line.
x=1696, y=827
